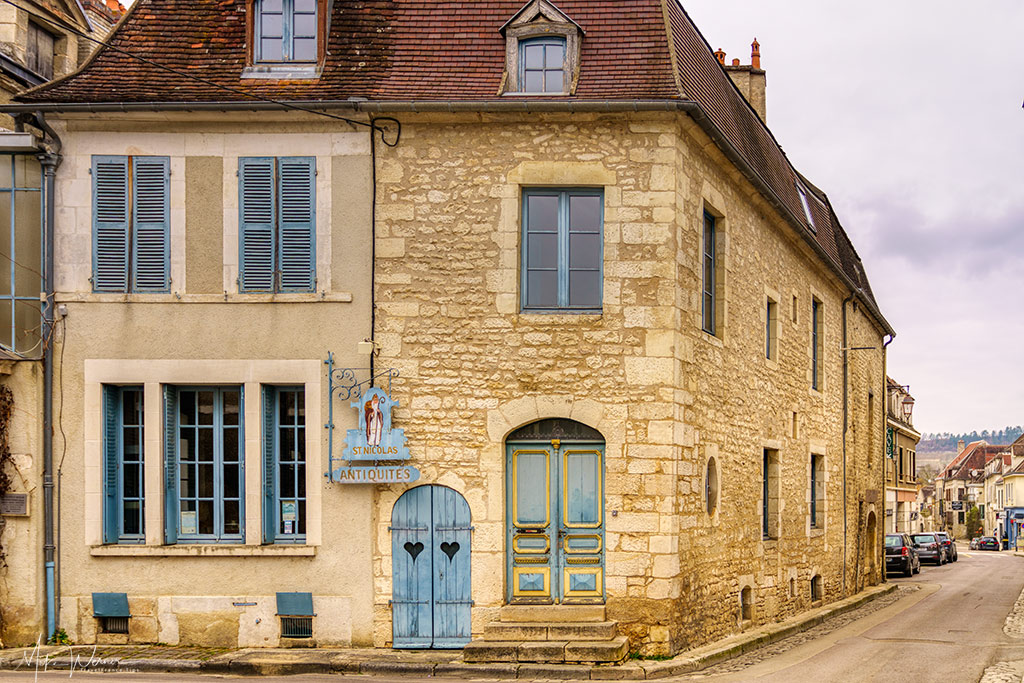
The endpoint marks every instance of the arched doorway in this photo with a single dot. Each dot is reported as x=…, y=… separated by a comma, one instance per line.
x=872, y=548
x=430, y=569
x=554, y=478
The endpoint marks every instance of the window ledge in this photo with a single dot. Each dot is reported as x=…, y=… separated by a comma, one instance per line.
x=817, y=531
x=284, y=72
x=203, y=550
x=535, y=94
x=248, y=298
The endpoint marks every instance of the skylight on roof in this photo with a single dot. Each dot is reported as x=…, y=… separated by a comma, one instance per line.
x=807, y=208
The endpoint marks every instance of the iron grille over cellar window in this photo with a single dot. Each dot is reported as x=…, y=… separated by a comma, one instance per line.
x=296, y=627
x=114, y=624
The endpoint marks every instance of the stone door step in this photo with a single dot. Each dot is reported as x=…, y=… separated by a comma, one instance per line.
x=548, y=613
x=553, y=631
x=548, y=652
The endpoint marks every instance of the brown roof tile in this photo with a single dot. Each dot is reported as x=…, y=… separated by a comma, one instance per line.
x=445, y=50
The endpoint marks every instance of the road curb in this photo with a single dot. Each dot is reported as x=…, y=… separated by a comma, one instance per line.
x=257, y=663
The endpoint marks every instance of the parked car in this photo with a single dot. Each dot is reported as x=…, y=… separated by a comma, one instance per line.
x=930, y=548
x=988, y=543
x=901, y=555
x=949, y=545
x=974, y=542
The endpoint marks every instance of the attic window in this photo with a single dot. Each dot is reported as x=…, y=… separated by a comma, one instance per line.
x=287, y=38
x=542, y=51
x=807, y=207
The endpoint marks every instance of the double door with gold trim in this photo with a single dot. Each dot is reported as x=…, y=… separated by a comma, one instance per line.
x=555, y=522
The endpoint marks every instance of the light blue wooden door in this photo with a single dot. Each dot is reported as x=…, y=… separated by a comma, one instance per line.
x=431, y=577
x=555, y=528
x=452, y=580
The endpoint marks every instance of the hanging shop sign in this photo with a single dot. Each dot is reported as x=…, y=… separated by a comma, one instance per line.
x=380, y=474
x=375, y=439
x=890, y=442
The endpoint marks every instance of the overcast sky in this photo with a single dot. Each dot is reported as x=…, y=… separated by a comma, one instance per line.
x=908, y=115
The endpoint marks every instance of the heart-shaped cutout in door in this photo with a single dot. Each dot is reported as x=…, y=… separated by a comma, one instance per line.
x=449, y=549
x=413, y=549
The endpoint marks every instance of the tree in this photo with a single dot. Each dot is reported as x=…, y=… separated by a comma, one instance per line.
x=973, y=522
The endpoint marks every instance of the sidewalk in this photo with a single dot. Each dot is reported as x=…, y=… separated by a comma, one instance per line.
x=441, y=663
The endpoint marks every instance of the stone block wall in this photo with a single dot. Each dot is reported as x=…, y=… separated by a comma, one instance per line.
x=665, y=395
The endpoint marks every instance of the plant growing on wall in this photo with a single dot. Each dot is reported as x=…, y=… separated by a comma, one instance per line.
x=6, y=464
x=973, y=522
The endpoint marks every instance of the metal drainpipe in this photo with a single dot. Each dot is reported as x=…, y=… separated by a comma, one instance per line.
x=885, y=419
x=49, y=160
x=846, y=420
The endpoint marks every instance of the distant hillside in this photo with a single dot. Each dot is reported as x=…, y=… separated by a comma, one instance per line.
x=946, y=442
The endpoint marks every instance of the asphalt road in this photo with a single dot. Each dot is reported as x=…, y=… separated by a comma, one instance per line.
x=949, y=630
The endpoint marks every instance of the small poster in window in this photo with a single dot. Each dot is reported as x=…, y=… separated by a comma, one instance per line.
x=188, y=522
x=289, y=512
x=288, y=527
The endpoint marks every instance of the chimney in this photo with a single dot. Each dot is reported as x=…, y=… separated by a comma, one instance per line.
x=960, y=446
x=750, y=78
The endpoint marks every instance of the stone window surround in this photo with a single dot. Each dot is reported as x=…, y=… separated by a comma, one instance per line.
x=774, y=482
x=152, y=374
x=815, y=295
x=711, y=456
x=515, y=35
x=816, y=448
x=711, y=199
x=770, y=294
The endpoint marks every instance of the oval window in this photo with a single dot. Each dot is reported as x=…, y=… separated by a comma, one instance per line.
x=711, y=486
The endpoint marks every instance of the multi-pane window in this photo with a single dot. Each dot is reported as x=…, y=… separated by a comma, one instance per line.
x=206, y=461
x=562, y=250
x=817, y=490
x=771, y=334
x=542, y=65
x=39, y=51
x=21, y=247
x=124, y=483
x=284, y=464
x=709, y=290
x=131, y=224
x=286, y=30
x=817, y=346
x=277, y=224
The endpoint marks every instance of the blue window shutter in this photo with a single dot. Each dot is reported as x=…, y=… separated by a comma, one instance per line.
x=269, y=465
x=110, y=223
x=297, y=233
x=170, y=465
x=110, y=464
x=256, y=220
x=151, y=224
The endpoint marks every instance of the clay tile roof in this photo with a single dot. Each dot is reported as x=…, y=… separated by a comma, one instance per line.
x=448, y=50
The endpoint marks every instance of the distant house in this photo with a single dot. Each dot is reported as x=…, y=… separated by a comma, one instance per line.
x=960, y=485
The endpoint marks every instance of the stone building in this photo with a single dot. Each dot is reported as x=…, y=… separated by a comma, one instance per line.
x=961, y=484
x=635, y=356
x=902, y=510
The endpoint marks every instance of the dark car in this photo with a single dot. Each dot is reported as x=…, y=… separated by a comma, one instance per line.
x=988, y=543
x=901, y=555
x=930, y=548
x=949, y=545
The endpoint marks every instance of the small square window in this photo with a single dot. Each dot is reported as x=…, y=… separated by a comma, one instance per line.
x=542, y=65
x=285, y=31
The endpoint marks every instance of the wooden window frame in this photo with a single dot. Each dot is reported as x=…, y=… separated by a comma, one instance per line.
x=273, y=465
x=252, y=50
x=114, y=429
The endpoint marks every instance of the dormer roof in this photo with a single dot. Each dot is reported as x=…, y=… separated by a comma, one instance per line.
x=539, y=9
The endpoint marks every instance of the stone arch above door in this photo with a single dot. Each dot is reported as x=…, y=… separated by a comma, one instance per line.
x=511, y=415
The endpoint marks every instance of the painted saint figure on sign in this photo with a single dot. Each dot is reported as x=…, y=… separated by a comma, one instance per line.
x=374, y=421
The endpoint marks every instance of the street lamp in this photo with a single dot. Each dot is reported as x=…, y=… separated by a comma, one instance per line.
x=908, y=406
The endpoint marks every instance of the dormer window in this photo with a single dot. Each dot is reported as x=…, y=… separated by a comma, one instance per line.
x=286, y=39
x=807, y=207
x=286, y=31
x=543, y=64
x=542, y=51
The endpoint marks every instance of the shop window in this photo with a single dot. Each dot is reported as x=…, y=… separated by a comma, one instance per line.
x=123, y=465
x=284, y=464
x=204, y=460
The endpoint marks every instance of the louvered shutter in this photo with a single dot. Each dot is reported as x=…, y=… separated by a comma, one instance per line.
x=257, y=216
x=110, y=223
x=297, y=221
x=110, y=465
x=170, y=465
x=269, y=465
x=151, y=224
